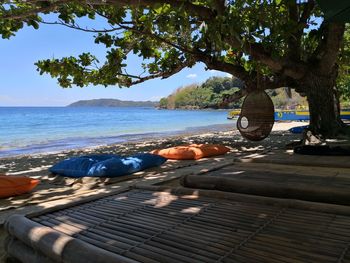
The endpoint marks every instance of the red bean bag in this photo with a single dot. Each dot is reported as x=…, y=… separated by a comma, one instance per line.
x=16, y=185
x=192, y=151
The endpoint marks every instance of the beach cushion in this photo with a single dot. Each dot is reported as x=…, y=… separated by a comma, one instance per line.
x=16, y=185
x=192, y=151
x=79, y=166
x=298, y=129
x=105, y=165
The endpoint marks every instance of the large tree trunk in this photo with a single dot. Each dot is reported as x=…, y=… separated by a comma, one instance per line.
x=324, y=106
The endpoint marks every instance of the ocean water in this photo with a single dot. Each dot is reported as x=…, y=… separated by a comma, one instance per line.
x=26, y=130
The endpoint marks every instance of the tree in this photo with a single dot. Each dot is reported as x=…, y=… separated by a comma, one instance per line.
x=265, y=43
x=207, y=95
x=343, y=81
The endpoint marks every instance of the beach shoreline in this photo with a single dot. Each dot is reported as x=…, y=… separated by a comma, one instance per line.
x=73, y=144
x=37, y=164
x=54, y=129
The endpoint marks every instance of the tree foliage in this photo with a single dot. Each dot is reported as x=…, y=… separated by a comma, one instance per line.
x=245, y=38
x=343, y=81
x=266, y=43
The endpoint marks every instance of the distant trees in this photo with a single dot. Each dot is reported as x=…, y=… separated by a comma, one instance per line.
x=206, y=95
x=210, y=94
x=281, y=100
x=188, y=97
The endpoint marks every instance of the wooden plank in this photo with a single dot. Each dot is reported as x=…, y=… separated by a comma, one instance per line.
x=301, y=191
x=288, y=158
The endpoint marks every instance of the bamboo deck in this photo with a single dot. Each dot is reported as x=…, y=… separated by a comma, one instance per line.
x=339, y=178
x=153, y=226
x=288, y=158
x=331, y=188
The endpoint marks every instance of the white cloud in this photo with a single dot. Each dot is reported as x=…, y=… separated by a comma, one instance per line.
x=191, y=76
x=220, y=73
x=156, y=98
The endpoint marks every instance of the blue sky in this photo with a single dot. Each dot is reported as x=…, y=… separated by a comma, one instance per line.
x=21, y=84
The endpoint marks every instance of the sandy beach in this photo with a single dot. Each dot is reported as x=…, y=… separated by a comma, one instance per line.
x=36, y=165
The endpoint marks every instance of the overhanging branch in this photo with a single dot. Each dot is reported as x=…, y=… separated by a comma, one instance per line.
x=40, y=6
x=76, y=27
x=162, y=75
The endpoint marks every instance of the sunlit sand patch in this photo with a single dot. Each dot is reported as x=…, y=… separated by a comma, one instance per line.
x=191, y=210
x=161, y=199
x=36, y=169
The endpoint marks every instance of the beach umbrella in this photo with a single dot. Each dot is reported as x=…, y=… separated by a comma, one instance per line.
x=336, y=10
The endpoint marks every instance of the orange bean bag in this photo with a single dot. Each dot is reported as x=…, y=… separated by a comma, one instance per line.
x=192, y=151
x=16, y=185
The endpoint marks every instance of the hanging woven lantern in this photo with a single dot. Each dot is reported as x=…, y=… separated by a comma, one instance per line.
x=256, y=119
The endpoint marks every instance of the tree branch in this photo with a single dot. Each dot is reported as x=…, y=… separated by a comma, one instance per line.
x=76, y=27
x=310, y=5
x=162, y=75
x=220, y=6
x=35, y=11
x=286, y=66
x=203, y=12
x=330, y=46
x=266, y=83
x=295, y=36
x=257, y=51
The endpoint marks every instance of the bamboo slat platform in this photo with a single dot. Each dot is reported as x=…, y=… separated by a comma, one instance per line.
x=329, y=188
x=49, y=191
x=157, y=226
x=288, y=158
x=284, y=174
x=48, y=196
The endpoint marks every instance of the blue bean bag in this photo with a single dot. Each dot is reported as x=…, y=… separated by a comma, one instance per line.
x=105, y=165
x=298, y=129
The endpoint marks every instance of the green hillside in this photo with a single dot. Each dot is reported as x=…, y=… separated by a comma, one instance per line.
x=210, y=94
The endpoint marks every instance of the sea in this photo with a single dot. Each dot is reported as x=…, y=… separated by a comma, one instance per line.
x=31, y=130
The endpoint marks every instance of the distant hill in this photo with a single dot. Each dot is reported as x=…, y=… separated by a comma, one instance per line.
x=112, y=103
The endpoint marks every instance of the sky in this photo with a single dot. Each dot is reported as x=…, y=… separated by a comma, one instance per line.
x=22, y=85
